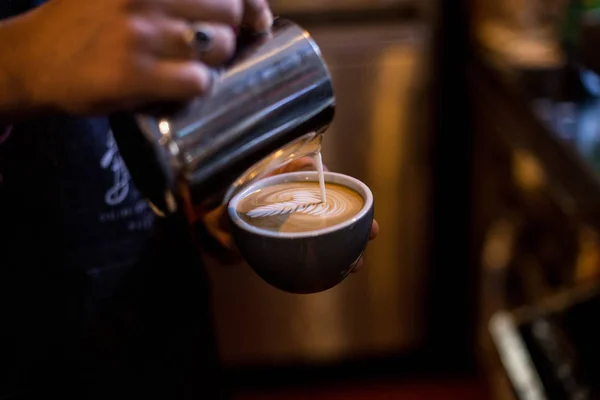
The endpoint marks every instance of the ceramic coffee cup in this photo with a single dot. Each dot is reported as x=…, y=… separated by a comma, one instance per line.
x=304, y=262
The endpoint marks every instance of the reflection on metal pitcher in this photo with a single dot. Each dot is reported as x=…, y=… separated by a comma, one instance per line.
x=268, y=106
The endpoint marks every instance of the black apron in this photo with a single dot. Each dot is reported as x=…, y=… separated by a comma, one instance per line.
x=98, y=298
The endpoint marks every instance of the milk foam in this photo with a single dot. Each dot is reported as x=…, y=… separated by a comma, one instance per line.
x=300, y=200
x=297, y=206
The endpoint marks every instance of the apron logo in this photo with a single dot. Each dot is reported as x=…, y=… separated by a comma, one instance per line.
x=112, y=160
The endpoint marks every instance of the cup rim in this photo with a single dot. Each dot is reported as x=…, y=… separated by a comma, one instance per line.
x=311, y=176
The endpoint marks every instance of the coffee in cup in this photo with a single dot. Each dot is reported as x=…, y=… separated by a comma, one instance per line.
x=292, y=239
x=299, y=206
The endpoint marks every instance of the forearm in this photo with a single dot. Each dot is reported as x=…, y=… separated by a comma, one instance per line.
x=15, y=99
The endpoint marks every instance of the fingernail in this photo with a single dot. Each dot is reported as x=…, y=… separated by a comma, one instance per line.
x=265, y=21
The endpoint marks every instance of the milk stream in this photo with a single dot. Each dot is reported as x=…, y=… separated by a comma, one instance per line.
x=319, y=161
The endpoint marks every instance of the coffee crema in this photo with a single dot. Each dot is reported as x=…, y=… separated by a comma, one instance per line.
x=297, y=207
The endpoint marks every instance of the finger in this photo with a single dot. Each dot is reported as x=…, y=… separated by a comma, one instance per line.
x=218, y=218
x=212, y=223
x=229, y=12
x=358, y=265
x=374, y=230
x=169, y=39
x=212, y=44
x=175, y=81
x=257, y=15
x=215, y=43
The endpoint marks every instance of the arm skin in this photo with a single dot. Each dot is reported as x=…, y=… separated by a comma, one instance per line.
x=15, y=102
x=87, y=58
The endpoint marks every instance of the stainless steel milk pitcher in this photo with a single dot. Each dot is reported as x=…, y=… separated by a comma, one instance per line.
x=269, y=105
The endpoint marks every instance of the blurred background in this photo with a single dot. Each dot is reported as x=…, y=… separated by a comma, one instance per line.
x=476, y=124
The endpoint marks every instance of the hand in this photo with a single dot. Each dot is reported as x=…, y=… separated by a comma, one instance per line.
x=216, y=223
x=96, y=57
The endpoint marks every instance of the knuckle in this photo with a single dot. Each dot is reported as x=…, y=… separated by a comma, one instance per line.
x=235, y=11
x=136, y=31
x=257, y=5
x=229, y=42
x=226, y=11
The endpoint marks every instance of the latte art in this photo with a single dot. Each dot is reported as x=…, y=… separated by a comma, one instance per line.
x=297, y=206
x=305, y=201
